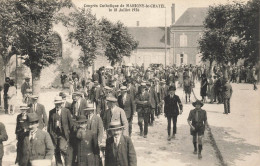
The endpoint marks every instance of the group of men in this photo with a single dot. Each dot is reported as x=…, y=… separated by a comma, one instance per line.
x=103, y=109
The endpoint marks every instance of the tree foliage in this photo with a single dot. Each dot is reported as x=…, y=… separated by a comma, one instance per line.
x=8, y=30
x=117, y=41
x=36, y=44
x=230, y=33
x=86, y=35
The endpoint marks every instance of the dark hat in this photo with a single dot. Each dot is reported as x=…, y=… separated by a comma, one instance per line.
x=33, y=117
x=62, y=94
x=197, y=102
x=172, y=88
x=82, y=119
x=115, y=125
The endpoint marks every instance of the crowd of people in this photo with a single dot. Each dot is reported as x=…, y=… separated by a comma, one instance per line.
x=98, y=123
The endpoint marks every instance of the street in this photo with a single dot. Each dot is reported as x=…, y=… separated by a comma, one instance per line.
x=232, y=139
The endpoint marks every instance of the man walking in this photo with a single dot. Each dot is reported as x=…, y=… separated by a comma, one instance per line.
x=114, y=113
x=143, y=110
x=60, y=124
x=39, y=109
x=6, y=88
x=126, y=102
x=171, y=110
x=63, y=78
x=197, y=121
x=227, y=93
x=24, y=88
x=119, y=148
x=37, y=144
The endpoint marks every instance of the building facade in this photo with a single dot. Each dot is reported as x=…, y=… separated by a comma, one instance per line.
x=185, y=34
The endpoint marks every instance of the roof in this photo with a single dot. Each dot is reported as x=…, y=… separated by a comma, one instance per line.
x=192, y=17
x=150, y=37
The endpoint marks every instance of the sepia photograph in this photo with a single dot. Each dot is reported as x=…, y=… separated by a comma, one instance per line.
x=129, y=82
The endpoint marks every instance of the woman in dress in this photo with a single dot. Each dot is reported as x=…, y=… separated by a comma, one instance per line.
x=12, y=98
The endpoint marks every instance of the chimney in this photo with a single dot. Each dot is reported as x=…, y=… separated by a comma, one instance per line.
x=137, y=23
x=173, y=13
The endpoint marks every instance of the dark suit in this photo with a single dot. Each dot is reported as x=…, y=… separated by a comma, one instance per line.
x=67, y=105
x=95, y=124
x=87, y=148
x=6, y=88
x=40, y=147
x=3, y=137
x=60, y=135
x=143, y=111
x=227, y=93
x=129, y=107
x=171, y=110
x=76, y=112
x=40, y=111
x=153, y=100
x=123, y=154
x=22, y=127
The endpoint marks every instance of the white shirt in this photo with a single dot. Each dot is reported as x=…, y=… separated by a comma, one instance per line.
x=32, y=134
x=117, y=140
x=34, y=107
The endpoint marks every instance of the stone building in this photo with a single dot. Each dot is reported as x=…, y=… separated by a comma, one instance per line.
x=185, y=33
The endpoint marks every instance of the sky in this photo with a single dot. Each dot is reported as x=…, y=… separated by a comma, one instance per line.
x=150, y=13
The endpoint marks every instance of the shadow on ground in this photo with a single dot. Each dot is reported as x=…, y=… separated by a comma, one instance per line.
x=232, y=148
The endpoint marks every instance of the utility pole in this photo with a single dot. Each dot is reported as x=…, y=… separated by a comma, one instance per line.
x=165, y=40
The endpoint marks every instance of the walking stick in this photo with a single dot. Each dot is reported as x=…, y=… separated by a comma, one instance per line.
x=194, y=94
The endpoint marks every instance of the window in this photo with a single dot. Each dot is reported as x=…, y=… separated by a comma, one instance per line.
x=183, y=40
x=181, y=58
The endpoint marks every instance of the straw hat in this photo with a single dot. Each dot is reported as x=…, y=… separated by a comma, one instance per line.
x=58, y=100
x=115, y=125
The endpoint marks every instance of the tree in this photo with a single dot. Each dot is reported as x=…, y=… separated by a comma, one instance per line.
x=8, y=31
x=117, y=41
x=36, y=44
x=86, y=35
x=231, y=33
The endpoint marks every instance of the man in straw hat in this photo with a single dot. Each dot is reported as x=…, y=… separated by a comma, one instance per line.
x=87, y=147
x=119, y=148
x=197, y=120
x=66, y=103
x=95, y=123
x=172, y=108
x=60, y=124
x=39, y=109
x=38, y=147
x=126, y=102
x=21, y=130
x=114, y=113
